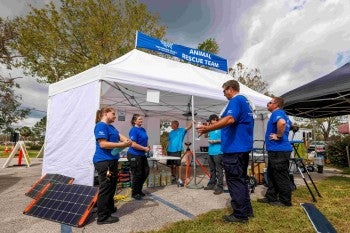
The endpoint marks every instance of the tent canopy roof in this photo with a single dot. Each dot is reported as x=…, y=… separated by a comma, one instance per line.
x=323, y=97
x=125, y=82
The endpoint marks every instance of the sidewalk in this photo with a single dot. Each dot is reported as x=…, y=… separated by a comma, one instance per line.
x=162, y=206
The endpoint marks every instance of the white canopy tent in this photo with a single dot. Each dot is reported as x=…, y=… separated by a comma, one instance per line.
x=123, y=84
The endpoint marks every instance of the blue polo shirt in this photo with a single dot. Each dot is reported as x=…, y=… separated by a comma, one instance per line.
x=138, y=135
x=238, y=137
x=278, y=145
x=111, y=134
x=175, y=139
x=214, y=149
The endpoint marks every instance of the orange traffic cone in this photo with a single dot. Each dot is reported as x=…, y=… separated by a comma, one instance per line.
x=6, y=151
x=20, y=155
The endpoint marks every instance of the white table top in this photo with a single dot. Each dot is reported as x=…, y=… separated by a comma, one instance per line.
x=155, y=158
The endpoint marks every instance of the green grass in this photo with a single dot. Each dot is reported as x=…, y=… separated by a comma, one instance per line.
x=31, y=153
x=334, y=204
x=346, y=171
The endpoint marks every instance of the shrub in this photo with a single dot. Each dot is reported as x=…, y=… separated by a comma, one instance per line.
x=34, y=146
x=336, y=152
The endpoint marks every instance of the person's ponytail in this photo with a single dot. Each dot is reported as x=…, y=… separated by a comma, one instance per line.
x=98, y=115
x=100, y=112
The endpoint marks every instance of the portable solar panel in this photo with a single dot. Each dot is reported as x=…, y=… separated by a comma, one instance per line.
x=68, y=204
x=318, y=220
x=44, y=180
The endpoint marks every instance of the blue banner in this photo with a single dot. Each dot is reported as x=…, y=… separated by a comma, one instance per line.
x=188, y=54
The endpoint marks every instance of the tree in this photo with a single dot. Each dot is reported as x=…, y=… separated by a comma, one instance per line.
x=58, y=43
x=250, y=77
x=321, y=127
x=209, y=45
x=38, y=133
x=324, y=126
x=10, y=111
x=25, y=132
x=8, y=35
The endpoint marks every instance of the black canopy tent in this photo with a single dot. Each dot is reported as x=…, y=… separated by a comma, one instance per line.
x=323, y=97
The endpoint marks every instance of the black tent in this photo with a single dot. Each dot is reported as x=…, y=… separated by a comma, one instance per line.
x=323, y=97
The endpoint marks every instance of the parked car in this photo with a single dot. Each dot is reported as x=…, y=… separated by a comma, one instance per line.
x=318, y=146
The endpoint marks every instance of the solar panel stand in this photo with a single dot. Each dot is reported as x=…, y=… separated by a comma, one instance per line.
x=301, y=167
x=87, y=212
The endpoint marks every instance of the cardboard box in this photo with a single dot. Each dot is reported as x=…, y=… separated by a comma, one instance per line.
x=258, y=172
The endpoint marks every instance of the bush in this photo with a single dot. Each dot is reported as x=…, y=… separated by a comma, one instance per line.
x=336, y=152
x=34, y=146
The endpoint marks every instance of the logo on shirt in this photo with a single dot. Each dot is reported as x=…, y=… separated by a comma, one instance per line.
x=101, y=133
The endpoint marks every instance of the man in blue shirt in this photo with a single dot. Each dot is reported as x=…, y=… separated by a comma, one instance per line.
x=279, y=149
x=237, y=124
x=175, y=148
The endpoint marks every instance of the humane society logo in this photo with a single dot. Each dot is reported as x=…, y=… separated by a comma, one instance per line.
x=101, y=133
x=167, y=44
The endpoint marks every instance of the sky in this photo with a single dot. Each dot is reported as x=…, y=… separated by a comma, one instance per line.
x=292, y=42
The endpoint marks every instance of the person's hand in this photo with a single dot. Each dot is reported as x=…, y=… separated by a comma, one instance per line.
x=148, y=148
x=202, y=129
x=274, y=136
x=128, y=143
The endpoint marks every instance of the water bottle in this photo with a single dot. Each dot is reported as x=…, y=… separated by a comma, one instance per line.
x=168, y=178
x=156, y=180
x=115, y=151
x=163, y=178
x=151, y=180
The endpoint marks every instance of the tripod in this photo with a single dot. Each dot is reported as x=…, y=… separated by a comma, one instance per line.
x=301, y=167
x=189, y=154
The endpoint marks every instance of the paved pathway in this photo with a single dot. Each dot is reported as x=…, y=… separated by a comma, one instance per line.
x=164, y=204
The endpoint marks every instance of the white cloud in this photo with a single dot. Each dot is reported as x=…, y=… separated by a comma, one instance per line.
x=11, y=8
x=293, y=43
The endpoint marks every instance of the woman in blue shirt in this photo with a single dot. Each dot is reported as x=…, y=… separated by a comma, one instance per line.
x=137, y=156
x=106, y=164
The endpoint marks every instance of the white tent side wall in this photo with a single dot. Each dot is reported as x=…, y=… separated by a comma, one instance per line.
x=70, y=140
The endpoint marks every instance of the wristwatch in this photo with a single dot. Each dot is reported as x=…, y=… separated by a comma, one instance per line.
x=279, y=137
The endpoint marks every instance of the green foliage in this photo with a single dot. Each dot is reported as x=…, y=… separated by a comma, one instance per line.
x=209, y=45
x=346, y=171
x=59, y=42
x=250, y=77
x=322, y=128
x=25, y=131
x=38, y=134
x=10, y=111
x=8, y=35
x=336, y=152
